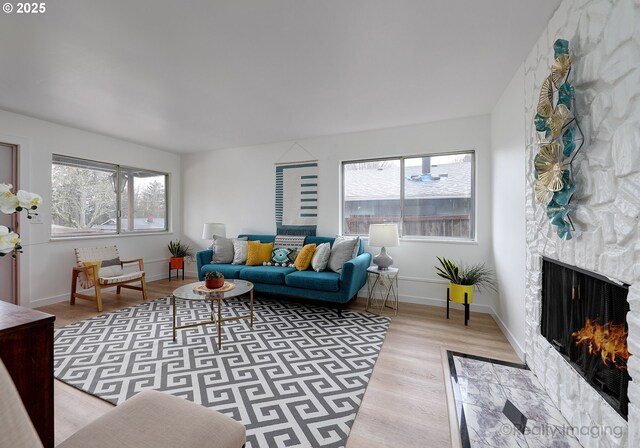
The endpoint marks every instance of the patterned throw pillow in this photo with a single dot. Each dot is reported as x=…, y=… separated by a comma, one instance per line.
x=283, y=256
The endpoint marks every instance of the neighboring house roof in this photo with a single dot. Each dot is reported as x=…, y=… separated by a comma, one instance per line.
x=369, y=184
x=139, y=224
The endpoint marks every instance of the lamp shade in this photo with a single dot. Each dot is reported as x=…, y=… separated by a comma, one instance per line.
x=383, y=235
x=213, y=228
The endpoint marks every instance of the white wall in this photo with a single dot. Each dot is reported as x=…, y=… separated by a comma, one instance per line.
x=45, y=266
x=508, y=224
x=236, y=186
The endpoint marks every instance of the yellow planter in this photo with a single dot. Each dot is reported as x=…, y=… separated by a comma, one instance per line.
x=456, y=293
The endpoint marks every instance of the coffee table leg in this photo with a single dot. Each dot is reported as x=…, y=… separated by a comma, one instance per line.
x=173, y=304
x=219, y=324
x=251, y=308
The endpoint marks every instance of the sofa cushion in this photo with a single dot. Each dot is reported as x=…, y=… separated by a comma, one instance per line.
x=274, y=275
x=323, y=281
x=228, y=270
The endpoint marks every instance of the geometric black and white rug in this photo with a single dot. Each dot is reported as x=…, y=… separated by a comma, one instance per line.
x=296, y=379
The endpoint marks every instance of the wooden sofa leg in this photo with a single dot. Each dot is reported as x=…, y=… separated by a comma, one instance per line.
x=340, y=306
x=118, y=289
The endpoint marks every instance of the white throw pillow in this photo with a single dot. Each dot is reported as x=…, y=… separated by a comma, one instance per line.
x=321, y=257
x=239, y=251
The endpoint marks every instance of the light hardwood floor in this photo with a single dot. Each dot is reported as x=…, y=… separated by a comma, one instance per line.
x=405, y=403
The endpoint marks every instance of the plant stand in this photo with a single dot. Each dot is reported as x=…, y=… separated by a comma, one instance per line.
x=173, y=266
x=466, y=307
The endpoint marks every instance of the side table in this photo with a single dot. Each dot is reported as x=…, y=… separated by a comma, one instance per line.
x=383, y=290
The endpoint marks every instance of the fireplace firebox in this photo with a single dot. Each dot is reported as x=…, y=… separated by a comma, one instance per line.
x=584, y=318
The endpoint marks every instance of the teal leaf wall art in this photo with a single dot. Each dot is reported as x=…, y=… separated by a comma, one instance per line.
x=558, y=131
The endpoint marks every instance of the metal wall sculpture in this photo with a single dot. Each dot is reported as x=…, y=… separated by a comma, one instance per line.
x=558, y=131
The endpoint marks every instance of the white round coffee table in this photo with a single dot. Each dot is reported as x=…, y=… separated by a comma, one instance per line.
x=187, y=292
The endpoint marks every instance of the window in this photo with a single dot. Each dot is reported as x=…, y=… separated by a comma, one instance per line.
x=427, y=196
x=96, y=198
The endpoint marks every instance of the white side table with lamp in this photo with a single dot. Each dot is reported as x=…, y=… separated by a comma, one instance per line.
x=383, y=290
x=382, y=279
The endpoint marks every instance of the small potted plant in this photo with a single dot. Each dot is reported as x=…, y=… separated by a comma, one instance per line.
x=178, y=250
x=463, y=279
x=213, y=280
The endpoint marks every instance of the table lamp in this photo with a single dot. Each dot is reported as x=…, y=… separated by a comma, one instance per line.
x=211, y=229
x=383, y=235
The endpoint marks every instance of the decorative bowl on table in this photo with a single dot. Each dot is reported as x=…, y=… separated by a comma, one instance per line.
x=213, y=280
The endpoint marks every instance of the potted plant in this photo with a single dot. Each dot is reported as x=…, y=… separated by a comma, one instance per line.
x=213, y=280
x=464, y=279
x=178, y=250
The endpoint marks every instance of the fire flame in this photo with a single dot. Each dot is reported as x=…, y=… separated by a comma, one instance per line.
x=608, y=340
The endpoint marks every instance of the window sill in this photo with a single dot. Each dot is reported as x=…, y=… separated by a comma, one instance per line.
x=410, y=239
x=112, y=235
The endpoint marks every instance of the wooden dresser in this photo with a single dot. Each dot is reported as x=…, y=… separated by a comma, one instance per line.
x=26, y=349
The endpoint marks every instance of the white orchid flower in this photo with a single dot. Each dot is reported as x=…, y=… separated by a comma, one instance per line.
x=12, y=203
x=28, y=200
x=8, y=240
x=8, y=201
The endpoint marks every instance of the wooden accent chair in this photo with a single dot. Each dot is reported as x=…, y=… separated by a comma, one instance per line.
x=100, y=268
x=149, y=419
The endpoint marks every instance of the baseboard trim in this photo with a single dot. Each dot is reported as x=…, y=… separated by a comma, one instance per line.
x=512, y=340
x=65, y=297
x=442, y=303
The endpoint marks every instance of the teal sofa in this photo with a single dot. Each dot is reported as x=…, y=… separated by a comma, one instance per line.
x=328, y=286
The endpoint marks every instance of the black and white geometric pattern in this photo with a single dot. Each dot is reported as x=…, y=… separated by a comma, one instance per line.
x=296, y=379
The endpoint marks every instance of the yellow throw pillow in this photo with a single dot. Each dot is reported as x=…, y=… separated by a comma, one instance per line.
x=97, y=264
x=258, y=253
x=304, y=257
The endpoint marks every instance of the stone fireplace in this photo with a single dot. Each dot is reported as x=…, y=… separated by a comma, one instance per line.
x=605, y=44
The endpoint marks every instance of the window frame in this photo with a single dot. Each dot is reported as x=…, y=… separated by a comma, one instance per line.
x=401, y=158
x=118, y=232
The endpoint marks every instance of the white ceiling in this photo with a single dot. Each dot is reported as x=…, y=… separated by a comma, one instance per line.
x=195, y=75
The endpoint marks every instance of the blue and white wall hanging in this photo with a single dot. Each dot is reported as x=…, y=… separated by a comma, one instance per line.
x=297, y=196
x=558, y=131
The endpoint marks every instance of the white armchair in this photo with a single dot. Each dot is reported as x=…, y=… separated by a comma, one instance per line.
x=101, y=267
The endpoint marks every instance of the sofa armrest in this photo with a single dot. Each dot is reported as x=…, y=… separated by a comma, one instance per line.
x=354, y=275
x=203, y=257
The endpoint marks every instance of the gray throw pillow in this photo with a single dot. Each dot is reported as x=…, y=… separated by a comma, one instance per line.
x=356, y=247
x=223, y=250
x=321, y=257
x=341, y=252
